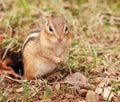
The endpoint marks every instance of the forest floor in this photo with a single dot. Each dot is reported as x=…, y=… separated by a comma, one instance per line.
x=91, y=72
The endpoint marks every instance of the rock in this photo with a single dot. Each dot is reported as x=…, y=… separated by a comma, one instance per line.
x=102, y=75
x=76, y=79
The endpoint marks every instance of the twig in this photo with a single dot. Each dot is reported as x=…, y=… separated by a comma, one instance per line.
x=6, y=51
x=71, y=82
x=8, y=77
x=1, y=78
x=4, y=93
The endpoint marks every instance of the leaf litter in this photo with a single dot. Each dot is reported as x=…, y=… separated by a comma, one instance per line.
x=94, y=53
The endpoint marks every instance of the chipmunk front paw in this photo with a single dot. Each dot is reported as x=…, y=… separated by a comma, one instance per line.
x=58, y=60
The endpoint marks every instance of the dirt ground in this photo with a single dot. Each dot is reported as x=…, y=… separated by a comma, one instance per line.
x=91, y=72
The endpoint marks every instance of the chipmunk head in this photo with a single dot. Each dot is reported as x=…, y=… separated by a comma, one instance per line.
x=57, y=30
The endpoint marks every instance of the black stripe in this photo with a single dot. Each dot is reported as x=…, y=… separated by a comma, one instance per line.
x=30, y=39
x=38, y=30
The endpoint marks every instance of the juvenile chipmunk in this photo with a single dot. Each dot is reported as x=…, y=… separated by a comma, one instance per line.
x=44, y=49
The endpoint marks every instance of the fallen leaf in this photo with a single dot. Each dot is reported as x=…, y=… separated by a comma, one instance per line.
x=2, y=16
x=91, y=97
x=99, y=89
x=112, y=71
x=107, y=73
x=76, y=79
x=5, y=69
x=106, y=93
x=69, y=95
x=54, y=77
x=1, y=39
x=45, y=100
x=82, y=101
x=10, y=90
x=82, y=92
x=98, y=70
x=57, y=86
x=1, y=78
x=118, y=93
x=2, y=81
x=20, y=90
x=96, y=80
x=104, y=90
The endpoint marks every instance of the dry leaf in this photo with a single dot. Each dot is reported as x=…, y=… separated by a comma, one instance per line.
x=55, y=77
x=91, y=97
x=4, y=69
x=20, y=90
x=2, y=16
x=82, y=101
x=118, y=93
x=1, y=78
x=82, y=92
x=112, y=71
x=57, y=86
x=1, y=39
x=106, y=93
x=99, y=89
x=104, y=90
x=69, y=95
x=98, y=70
x=76, y=79
x=2, y=81
x=45, y=100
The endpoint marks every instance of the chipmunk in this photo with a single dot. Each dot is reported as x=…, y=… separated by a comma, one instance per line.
x=44, y=49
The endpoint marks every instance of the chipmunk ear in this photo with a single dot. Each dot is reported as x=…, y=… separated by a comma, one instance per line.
x=62, y=16
x=49, y=18
x=49, y=26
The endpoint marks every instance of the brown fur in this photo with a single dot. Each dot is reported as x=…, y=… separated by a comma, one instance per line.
x=48, y=48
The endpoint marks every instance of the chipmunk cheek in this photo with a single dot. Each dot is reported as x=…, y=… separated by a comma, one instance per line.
x=66, y=39
x=53, y=39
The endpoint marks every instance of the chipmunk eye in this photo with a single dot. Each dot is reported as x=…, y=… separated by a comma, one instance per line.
x=66, y=29
x=50, y=29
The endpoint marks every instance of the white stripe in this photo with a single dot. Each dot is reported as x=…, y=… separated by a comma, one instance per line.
x=31, y=35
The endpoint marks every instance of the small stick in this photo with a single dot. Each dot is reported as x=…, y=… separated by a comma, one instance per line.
x=8, y=77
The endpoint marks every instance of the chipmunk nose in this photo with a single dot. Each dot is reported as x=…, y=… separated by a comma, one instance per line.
x=59, y=39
